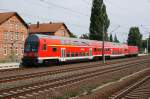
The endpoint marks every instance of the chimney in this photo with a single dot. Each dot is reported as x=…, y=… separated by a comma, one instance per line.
x=38, y=24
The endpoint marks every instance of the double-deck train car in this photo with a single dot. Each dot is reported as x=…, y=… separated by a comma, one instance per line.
x=46, y=49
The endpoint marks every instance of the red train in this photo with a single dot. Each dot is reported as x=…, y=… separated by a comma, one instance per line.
x=46, y=49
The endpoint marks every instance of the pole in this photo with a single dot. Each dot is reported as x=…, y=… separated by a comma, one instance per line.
x=103, y=46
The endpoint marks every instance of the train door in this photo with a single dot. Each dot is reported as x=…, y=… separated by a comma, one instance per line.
x=90, y=53
x=63, y=52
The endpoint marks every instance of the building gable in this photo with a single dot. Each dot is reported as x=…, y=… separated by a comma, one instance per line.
x=52, y=28
x=62, y=31
x=5, y=16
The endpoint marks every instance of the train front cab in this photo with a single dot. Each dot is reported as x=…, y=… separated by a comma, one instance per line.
x=31, y=47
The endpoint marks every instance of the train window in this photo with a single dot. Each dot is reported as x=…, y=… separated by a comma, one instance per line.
x=72, y=54
x=76, y=54
x=100, y=49
x=44, y=47
x=31, y=46
x=68, y=54
x=107, y=49
x=54, y=49
x=80, y=53
x=94, y=49
x=97, y=49
x=87, y=54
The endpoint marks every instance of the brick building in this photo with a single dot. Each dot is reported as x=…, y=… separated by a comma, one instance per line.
x=13, y=31
x=57, y=29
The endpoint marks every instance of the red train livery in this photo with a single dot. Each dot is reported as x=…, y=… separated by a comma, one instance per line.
x=44, y=48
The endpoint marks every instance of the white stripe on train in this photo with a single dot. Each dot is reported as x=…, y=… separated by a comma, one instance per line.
x=40, y=59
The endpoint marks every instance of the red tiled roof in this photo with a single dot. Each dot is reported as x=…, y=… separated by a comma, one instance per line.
x=5, y=16
x=45, y=27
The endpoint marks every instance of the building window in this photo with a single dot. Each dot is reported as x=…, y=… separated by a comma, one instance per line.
x=5, y=50
x=11, y=35
x=17, y=26
x=8, y=35
x=11, y=50
x=16, y=50
x=5, y=35
x=63, y=33
x=17, y=35
x=23, y=38
x=22, y=51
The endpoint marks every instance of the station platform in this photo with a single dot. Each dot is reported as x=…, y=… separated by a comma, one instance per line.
x=9, y=65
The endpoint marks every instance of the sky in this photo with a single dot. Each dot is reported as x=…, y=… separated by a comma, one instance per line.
x=123, y=14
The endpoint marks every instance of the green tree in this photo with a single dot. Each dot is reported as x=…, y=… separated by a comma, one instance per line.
x=111, y=38
x=99, y=21
x=73, y=36
x=84, y=36
x=135, y=37
x=116, y=39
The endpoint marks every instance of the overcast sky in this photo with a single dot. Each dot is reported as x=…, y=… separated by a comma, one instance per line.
x=76, y=14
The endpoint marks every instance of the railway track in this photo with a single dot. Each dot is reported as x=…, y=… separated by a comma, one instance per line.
x=12, y=69
x=63, y=70
x=108, y=62
x=58, y=71
x=139, y=90
x=28, y=91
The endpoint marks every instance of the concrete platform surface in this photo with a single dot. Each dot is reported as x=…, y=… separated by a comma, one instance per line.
x=9, y=65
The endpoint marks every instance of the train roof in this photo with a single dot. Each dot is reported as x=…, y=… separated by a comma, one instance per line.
x=65, y=39
x=77, y=41
x=59, y=38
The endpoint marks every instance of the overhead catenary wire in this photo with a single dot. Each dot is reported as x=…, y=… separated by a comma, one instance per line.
x=49, y=5
x=65, y=8
x=87, y=2
x=114, y=4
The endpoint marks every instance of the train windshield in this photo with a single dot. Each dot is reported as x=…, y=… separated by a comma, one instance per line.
x=31, y=47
